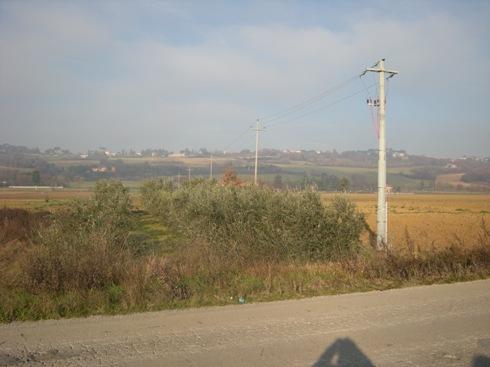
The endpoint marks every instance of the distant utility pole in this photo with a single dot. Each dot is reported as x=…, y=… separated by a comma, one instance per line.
x=257, y=131
x=188, y=173
x=178, y=180
x=211, y=167
x=382, y=209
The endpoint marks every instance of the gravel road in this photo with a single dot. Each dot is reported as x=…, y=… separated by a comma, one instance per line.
x=438, y=325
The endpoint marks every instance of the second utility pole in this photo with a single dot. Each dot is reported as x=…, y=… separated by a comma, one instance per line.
x=257, y=130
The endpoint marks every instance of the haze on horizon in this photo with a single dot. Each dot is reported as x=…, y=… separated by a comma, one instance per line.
x=196, y=74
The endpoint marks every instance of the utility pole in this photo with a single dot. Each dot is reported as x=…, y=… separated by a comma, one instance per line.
x=257, y=130
x=178, y=180
x=211, y=167
x=382, y=208
x=189, y=174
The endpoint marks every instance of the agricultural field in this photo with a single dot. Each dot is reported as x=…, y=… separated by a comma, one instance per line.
x=428, y=219
x=39, y=199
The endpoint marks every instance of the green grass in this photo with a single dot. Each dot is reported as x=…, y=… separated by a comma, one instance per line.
x=149, y=227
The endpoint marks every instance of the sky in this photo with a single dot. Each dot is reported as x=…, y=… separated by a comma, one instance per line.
x=193, y=74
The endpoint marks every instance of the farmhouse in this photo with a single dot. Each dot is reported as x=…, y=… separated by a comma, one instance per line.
x=176, y=155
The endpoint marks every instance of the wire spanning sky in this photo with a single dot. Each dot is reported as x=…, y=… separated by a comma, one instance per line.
x=194, y=74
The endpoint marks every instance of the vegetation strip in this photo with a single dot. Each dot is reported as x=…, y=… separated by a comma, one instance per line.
x=205, y=243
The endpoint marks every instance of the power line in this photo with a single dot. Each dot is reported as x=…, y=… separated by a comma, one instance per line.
x=297, y=108
x=295, y=118
x=304, y=104
x=211, y=158
x=235, y=140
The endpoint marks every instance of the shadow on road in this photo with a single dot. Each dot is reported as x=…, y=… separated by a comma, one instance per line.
x=343, y=352
x=480, y=361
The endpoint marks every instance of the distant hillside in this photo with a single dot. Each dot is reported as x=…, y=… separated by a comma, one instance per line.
x=282, y=168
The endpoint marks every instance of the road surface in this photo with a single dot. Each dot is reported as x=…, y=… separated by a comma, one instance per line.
x=439, y=325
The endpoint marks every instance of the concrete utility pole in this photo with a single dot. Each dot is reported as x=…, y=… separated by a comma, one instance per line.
x=382, y=209
x=257, y=130
x=211, y=167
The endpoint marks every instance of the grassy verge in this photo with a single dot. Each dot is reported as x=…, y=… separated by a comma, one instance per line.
x=100, y=256
x=161, y=284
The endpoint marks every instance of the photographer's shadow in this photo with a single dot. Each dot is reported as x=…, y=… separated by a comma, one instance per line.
x=343, y=352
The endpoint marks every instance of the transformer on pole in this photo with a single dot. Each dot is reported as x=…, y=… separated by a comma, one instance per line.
x=382, y=207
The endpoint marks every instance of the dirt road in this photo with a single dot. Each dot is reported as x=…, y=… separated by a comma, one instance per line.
x=440, y=325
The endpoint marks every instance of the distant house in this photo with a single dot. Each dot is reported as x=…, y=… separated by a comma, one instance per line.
x=399, y=155
x=177, y=155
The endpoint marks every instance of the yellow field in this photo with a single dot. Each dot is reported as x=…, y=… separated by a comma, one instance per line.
x=429, y=218
x=38, y=199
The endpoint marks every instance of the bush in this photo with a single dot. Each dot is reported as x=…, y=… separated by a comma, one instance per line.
x=84, y=247
x=253, y=223
x=153, y=194
x=19, y=224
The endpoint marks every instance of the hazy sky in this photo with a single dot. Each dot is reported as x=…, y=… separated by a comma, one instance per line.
x=128, y=74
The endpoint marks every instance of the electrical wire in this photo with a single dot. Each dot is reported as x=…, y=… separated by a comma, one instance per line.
x=306, y=103
x=295, y=118
x=238, y=138
x=281, y=117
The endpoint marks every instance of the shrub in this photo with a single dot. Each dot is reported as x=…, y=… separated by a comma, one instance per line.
x=256, y=223
x=19, y=224
x=153, y=193
x=85, y=246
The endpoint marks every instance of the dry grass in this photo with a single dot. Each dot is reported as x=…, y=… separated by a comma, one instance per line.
x=39, y=199
x=430, y=219
x=452, y=180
